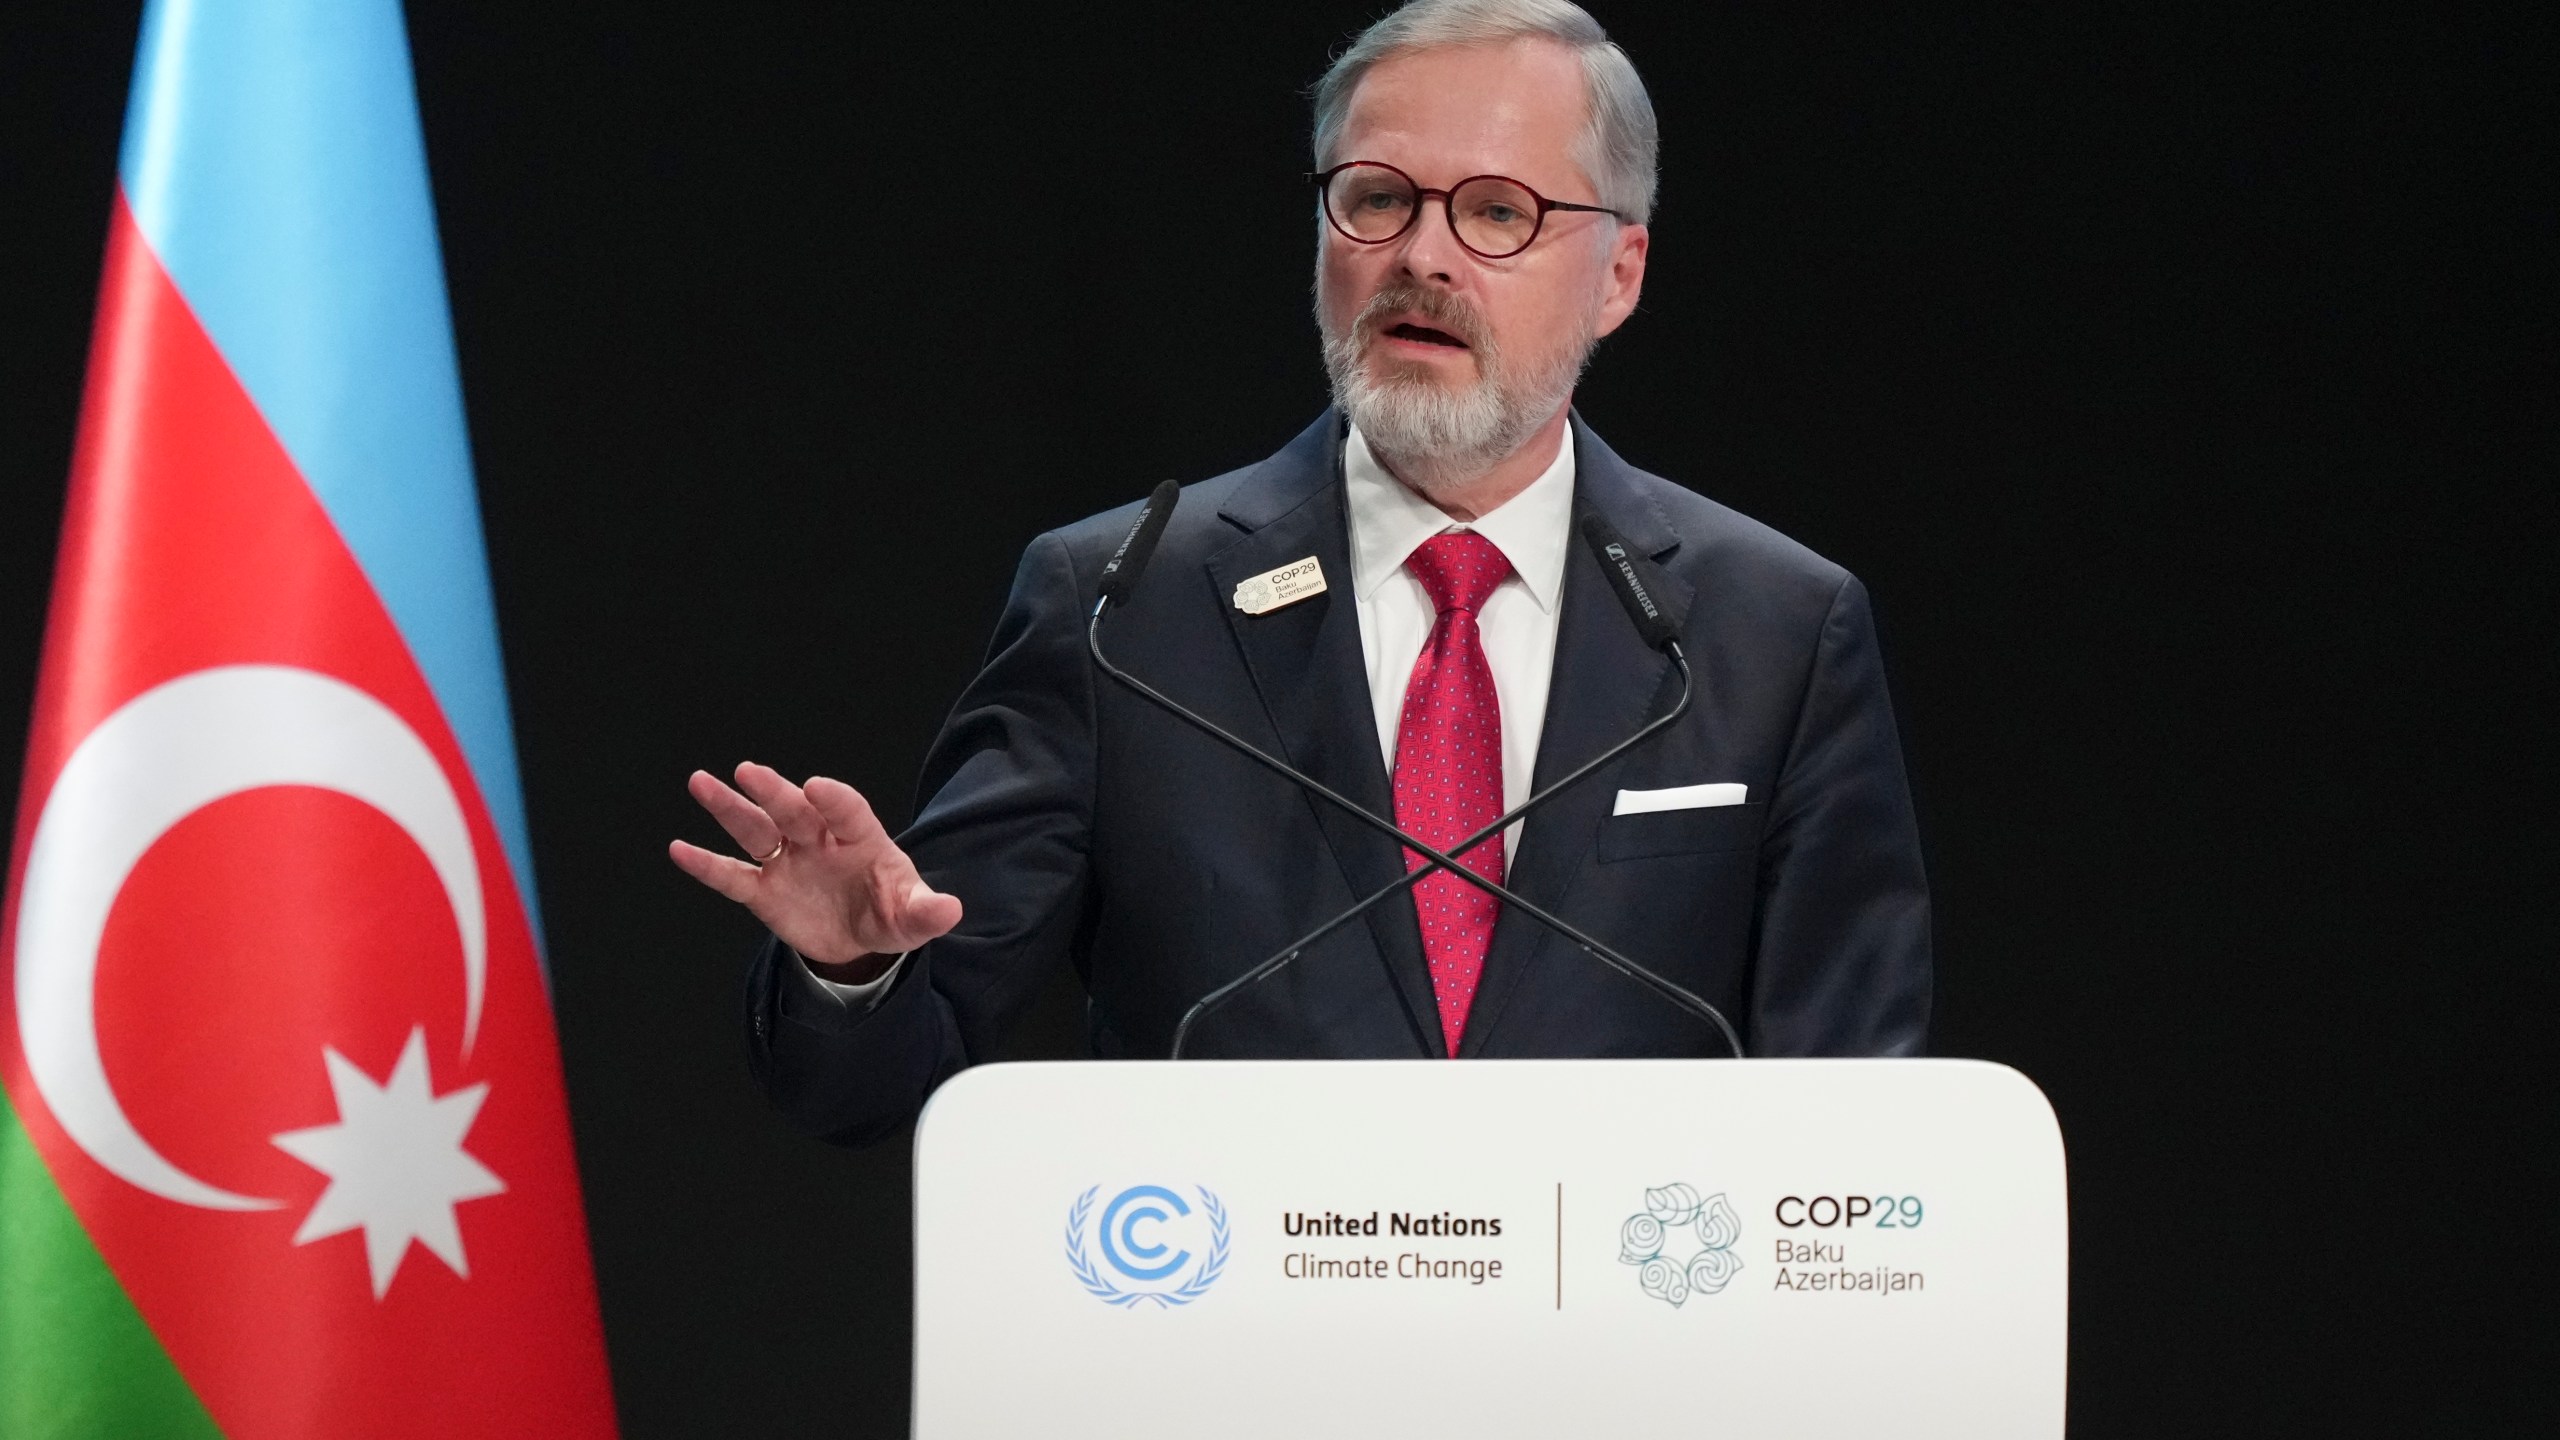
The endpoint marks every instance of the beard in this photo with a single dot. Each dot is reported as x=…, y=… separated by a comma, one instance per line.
x=1439, y=438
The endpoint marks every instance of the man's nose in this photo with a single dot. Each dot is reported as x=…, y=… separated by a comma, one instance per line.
x=1429, y=250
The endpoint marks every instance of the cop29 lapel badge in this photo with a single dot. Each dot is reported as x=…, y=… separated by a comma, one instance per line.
x=1287, y=585
x=1157, y=1248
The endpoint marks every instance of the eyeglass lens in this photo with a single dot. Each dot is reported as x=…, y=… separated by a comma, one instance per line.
x=1492, y=216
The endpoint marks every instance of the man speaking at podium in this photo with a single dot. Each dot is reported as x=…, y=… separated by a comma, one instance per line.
x=1399, y=605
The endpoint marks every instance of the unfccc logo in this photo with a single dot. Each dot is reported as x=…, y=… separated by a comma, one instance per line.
x=1157, y=1248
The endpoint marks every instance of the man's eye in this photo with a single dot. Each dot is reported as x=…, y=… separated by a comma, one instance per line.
x=1380, y=200
x=1501, y=214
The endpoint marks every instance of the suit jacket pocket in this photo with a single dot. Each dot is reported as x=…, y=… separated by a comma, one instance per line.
x=1704, y=830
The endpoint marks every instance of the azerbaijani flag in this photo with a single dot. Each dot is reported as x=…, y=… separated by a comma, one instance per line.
x=285, y=1149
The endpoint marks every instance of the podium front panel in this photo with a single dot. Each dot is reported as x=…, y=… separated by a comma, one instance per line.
x=1522, y=1248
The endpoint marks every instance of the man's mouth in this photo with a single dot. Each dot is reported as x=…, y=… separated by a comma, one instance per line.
x=1423, y=335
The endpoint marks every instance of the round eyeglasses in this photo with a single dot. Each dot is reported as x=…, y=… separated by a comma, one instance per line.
x=1494, y=216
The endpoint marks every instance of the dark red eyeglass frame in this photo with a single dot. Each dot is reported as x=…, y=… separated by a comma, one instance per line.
x=1324, y=197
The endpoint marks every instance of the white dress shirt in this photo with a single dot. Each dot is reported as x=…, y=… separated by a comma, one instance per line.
x=1518, y=622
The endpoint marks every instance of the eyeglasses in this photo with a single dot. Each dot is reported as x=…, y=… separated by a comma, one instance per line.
x=1492, y=215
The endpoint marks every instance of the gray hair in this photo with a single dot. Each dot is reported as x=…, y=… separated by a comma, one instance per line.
x=1619, y=142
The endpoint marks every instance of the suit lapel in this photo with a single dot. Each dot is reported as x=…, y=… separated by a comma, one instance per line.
x=1606, y=684
x=1312, y=678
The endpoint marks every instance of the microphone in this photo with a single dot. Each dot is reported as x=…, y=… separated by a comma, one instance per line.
x=1635, y=581
x=1139, y=545
x=1126, y=565
x=1621, y=561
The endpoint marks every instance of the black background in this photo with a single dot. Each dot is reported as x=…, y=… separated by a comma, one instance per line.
x=2181, y=387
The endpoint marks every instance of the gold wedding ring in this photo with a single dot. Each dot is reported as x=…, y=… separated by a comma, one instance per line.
x=778, y=847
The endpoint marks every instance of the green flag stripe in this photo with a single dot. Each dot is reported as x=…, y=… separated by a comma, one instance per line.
x=76, y=1359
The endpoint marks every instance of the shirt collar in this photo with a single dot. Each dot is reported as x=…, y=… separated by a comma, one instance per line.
x=1532, y=529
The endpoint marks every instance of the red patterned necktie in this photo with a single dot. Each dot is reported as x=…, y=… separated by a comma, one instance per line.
x=1449, y=766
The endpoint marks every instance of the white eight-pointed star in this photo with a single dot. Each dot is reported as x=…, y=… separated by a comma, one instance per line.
x=395, y=1162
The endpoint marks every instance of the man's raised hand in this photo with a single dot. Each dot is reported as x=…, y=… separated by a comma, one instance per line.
x=826, y=877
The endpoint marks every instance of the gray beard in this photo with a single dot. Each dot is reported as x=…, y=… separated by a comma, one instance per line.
x=1436, y=439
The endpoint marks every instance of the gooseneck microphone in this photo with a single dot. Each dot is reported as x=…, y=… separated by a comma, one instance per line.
x=1124, y=568
x=1120, y=577
x=1661, y=631
x=1139, y=545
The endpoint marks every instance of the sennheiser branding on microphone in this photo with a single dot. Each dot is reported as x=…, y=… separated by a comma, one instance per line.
x=1128, y=541
x=1652, y=617
x=1121, y=572
x=1635, y=583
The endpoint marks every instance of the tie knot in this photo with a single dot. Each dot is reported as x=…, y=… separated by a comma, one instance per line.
x=1458, y=570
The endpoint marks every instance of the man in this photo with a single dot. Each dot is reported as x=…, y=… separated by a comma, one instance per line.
x=1487, y=171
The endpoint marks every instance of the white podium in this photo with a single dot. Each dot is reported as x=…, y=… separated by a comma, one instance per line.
x=1490, y=1249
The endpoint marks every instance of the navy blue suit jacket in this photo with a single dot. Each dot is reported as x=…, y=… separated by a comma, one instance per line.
x=1079, y=826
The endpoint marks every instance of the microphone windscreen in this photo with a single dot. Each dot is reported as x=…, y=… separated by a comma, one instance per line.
x=1130, y=560
x=1634, y=579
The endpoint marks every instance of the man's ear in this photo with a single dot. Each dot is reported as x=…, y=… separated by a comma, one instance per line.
x=1622, y=284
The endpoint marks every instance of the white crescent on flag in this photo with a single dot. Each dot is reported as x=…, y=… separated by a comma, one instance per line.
x=159, y=758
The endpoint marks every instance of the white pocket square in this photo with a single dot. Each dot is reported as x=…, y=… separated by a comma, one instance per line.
x=1679, y=797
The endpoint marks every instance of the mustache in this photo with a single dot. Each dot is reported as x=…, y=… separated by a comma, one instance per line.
x=1444, y=310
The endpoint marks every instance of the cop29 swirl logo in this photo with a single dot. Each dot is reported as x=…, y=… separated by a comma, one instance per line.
x=1144, y=1235
x=1676, y=1220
